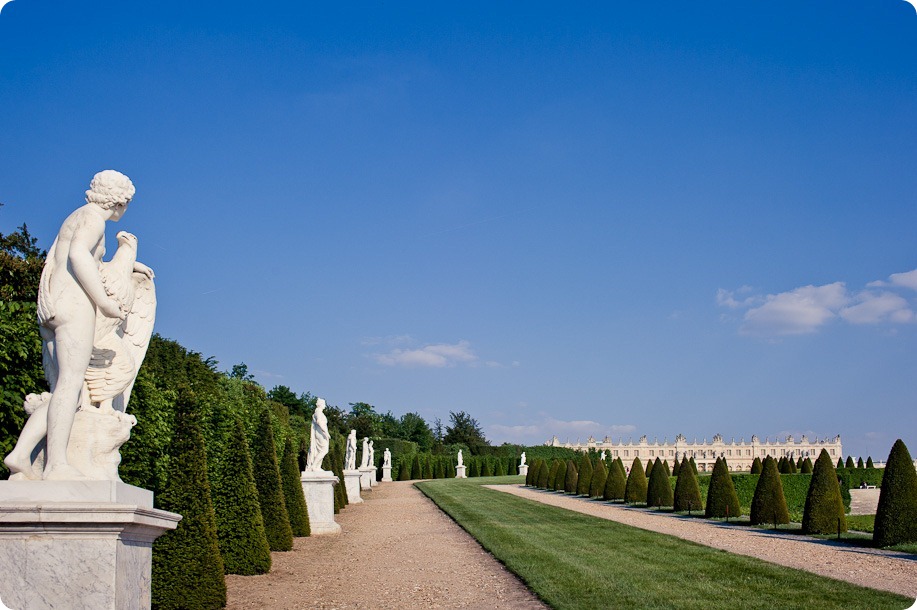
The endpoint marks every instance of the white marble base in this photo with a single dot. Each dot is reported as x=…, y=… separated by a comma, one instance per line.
x=352, y=485
x=386, y=474
x=460, y=472
x=318, y=488
x=91, y=549
x=524, y=470
x=372, y=477
x=367, y=474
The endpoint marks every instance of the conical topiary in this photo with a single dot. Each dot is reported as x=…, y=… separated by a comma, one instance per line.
x=542, y=481
x=570, y=478
x=636, y=486
x=722, y=500
x=649, y=469
x=293, y=493
x=849, y=463
x=533, y=468
x=428, y=468
x=824, y=510
x=560, y=476
x=869, y=463
x=676, y=467
x=896, y=517
x=687, y=492
x=791, y=466
x=270, y=487
x=769, y=503
x=187, y=567
x=551, y=474
x=487, y=469
x=616, y=482
x=417, y=467
x=693, y=465
x=659, y=490
x=584, y=476
x=860, y=463
x=665, y=464
x=599, y=475
x=799, y=463
x=757, y=466
x=450, y=468
x=806, y=466
x=840, y=463
x=240, y=528
x=404, y=468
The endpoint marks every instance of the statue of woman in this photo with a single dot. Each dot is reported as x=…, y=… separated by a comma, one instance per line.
x=320, y=439
x=387, y=458
x=461, y=462
x=350, y=458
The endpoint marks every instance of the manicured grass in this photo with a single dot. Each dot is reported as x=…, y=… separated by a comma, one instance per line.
x=861, y=523
x=572, y=560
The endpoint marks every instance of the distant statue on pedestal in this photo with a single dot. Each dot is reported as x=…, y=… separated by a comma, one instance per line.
x=364, y=461
x=461, y=462
x=350, y=457
x=372, y=456
x=522, y=460
x=319, y=440
x=387, y=458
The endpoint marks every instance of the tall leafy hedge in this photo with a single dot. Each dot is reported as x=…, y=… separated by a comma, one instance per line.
x=659, y=490
x=636, y=486
x=824, y=511
x=769, y=503
x=270, y=488
x=687, y=493
x=293, y=494
x=722, y=500
x=896, y=516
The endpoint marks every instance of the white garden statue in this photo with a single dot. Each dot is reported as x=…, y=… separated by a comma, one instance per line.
x=364, y=462
x=319, y=440
x=461, y=462
x=95, y=321
x=522, y=460
x=387, y=458
x=350, y=457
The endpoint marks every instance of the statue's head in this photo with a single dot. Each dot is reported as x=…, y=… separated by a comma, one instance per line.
x=320, y=404
x=111, y=190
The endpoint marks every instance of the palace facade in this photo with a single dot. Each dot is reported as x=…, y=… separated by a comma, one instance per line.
x=739, y=455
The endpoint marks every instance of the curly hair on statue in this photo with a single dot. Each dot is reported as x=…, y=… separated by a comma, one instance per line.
x=109, y=188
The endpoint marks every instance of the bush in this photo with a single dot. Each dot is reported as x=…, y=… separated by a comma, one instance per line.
x=693, y=465
x=599, y=476
x=659, y=490
x=404, y=468
x=571, y=477
x=852, y=478
x=824, y=511
x=849, y=463
x=557, y=483
x=806, y=467
x=757, y=466
x=616, y=482
x=584, y=477
x=428, y=467
x=769, y=503
x=636, y=486
x=542, y=480
x=869, y=463
x=270, y=488
x=860, y=464
x=487, y=469
x=722, y=500
x=292, y=492
x=896, y=516
x=676, y=468
x=649, y=469
x=187, y=567
x=687, y=493
x=417, y=467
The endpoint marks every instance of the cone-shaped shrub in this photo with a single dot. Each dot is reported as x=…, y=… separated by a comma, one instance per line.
x=599, y=475
x=783, y=466
x=560, y=475
x=416, y=467
x=542, y=481
x=806, y=466
x=488, y=469
x=404, y=468
x=240, y=528
x=635, y=488
x=649, y=469
x=869, y=463
x=292, y=491
x=799, y=463
x=668, y=471
x=849, y=463
x=769, y=503
x=693, y=465
x=860, y=463
x=840, y=463
x=584, y=477
x=896, y=517
x=722, y=500
x=570, y=478
x=792, y=466
x=757, y=466
x=676, y=468
x=824, y=511
x=187, y=567
x=687, y=492
x=616, y=482
x=450, y=468
x=428, y=468
x=270, y=487
x=659, y=490
x=336, y=465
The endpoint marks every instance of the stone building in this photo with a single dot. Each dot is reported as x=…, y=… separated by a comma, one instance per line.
x=739, y=455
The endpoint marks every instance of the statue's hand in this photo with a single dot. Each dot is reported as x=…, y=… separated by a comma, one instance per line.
x=141, y=268
x=111, y=309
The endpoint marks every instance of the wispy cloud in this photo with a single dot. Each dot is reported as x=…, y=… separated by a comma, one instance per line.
x=436, y=355
x=545, y=427
x=807, y=309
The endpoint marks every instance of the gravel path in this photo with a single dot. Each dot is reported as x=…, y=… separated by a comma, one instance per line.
x=886, y=570
x=397, y=550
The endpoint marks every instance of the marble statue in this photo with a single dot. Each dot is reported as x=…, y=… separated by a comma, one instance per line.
x=522, y=460
x=387, y=458
x=603, y=455
x=319, y=439
x=364, y=462
x=461, y=462
x=350, y=457
x=95, y=321
x=372, y=455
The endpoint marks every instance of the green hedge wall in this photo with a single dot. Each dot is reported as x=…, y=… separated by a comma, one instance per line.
x=851, y=478
x=795, y=488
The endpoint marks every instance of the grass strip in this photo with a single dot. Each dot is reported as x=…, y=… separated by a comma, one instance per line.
x=571, y=560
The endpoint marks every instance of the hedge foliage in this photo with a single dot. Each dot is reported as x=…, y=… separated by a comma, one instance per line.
x=293, y=494
x=687, y=492
x=824, y=511
x=270, y=489
x=584, y=476
x=599, y=476
x=769, y=504
x=896, y=516
x=616, y=482
x=636, y=486
x=659, y=490
x=571, y=478
x=722, y=500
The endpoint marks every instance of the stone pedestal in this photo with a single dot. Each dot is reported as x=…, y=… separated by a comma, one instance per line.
x=386, y=474
x=460, y=472
x=367, y=474
x=352, y=485
x=372, y=477
x=318, y=487
x=524, y=470
x=78, y=544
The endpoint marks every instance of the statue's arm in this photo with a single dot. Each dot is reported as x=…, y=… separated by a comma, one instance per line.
x=86, y=267
x=141, y=268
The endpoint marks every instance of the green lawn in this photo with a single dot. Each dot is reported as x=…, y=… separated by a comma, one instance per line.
x=572, y=560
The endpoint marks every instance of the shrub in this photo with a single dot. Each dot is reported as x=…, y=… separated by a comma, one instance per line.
x=791, y=465
x=270, y=487
x=693, y=465
x=487, y=469
x=806, y=467
x=860, y=462
x=450, y=468
x=649, y=469
x=570, y=479
x=636, y=486
x=869, y=463
x=896, y=517
x=824, y=511
x=722, y=500
x=799, y=463
x=687, y=493
x=757, y=466
x=428, y=467
x=542, y=480
x=676, y=468
x=849, y=463
x=187, y=567
x=584, y=476
x=769, y=503
x=557, y=474
x=404, y=468
x=665, y=464
x=659, y=490
x=417, y=467
x=292, y=491
x=616, y=482
x=599, y=476
x=840, y=463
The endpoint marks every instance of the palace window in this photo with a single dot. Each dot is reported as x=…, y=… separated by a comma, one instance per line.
x=651, y=453
x=626, y=453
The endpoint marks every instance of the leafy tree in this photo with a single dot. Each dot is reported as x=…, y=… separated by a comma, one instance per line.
x=464, y=429
x=571, y=478
x=599, y=477
x=659, y=490
x=869, y=463
x=824, y=510
x=769, y=502
x=687, y=492
x=270, y=488
x=757, y=467
x=240, y=371
x=412, y=427
x=584, y=476
x=21, y=262
x=187, y=567
x=896, y=516
x=364, y=419
x=616, y=482
x=806, y=467
x=302, y=405
x=722, y=500
x=293, y=494
x=636, y=487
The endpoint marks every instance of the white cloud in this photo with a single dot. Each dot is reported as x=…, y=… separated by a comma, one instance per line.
x=906, y=280
x=872, y=307
x=796, y=312
x=437, y=355
x=726, y=298
x=544, y=428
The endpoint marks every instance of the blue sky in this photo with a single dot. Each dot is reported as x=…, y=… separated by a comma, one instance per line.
x=596, y=218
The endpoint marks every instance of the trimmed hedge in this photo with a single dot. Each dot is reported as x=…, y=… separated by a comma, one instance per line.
x=584, y=476
x=824, y=511
x=896, y=517
x=270, y=488
x=636, y=486
x=293, y=493
x=769, y=504
x=687, y=492
x=722, y=500
x=659, y=490
x=851, y=478
x=571, y=477
x=616, y=482
x=599, y=476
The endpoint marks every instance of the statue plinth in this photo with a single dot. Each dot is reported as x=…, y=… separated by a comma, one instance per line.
x=367, y=474
x=78, y=544
x=352, y=485
x=318, y=487
x=524, y=470
x=460, y=472
x=386, y=474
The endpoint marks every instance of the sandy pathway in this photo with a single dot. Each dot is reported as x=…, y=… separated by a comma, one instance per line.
x=890, y=571
x=397, y=550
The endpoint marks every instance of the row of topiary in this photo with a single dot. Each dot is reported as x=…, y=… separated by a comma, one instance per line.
x=824, y=511
x=430, y=466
